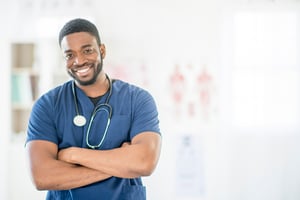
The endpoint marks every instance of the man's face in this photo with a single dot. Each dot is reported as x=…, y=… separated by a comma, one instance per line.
x=83, y=57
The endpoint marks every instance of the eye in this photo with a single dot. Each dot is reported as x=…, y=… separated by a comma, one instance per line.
x=68, y=56
x=88, y=51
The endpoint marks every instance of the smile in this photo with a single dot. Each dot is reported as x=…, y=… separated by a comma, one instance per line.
x=83, y=70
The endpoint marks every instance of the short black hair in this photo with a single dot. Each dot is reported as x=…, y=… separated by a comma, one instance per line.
x=79, y=25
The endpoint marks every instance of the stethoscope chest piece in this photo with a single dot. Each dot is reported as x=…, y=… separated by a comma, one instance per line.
x=79, y=120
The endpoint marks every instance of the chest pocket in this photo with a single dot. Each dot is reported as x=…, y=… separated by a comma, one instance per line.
x=117, y=131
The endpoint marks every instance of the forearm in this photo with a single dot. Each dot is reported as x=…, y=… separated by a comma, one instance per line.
x=114, y=162
x=59, y=175
x=129, y=161
x=49, y=173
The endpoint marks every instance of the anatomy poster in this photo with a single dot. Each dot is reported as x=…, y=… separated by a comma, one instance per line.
x=192, y=90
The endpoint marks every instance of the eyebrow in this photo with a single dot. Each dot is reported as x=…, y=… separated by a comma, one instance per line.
x=85, y=46
x=82, y=47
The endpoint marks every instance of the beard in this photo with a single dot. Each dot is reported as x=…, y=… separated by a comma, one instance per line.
x=91, y=81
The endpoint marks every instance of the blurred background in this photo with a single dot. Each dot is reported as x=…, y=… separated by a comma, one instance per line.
x=225, y=75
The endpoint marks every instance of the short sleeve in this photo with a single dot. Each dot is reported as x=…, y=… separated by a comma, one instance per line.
x=145, y=114
x=41, y=122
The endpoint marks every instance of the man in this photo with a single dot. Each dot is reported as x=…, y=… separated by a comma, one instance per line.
x=92, y=138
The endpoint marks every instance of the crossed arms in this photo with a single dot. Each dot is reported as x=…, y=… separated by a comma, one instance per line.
x=74, y=167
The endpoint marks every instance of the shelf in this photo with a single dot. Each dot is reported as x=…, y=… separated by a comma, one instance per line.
x=25, y=70
x=22, y=55
x=24, y=85
x=35, y=68
x=20, y=106
x=20, y=120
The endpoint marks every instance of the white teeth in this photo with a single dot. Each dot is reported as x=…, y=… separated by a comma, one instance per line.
x=83, y=70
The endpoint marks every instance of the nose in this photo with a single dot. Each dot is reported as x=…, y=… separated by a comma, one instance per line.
x=79, y=59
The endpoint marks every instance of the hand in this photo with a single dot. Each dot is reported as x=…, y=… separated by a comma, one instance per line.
x=68, y=154
x=125, y=144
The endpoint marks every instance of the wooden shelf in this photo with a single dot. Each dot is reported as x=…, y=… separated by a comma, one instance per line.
x=24, y=85
x=35, y=68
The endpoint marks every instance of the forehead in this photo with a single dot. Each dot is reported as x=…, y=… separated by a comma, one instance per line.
x=75, y=41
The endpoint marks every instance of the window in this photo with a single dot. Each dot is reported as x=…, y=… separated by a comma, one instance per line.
x=265, y=71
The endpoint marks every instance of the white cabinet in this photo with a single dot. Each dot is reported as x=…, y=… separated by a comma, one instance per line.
x=24, y=85
x=36, y=67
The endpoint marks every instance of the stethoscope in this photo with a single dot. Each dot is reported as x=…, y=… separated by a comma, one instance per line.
x=79, y=120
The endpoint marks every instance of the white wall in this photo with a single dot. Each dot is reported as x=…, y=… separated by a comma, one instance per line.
x=4, y=116
x=4, y=107
x=232, y=165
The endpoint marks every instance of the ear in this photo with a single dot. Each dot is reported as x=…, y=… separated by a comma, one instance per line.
x=102, y=51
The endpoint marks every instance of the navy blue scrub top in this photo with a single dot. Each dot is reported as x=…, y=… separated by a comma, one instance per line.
x=133, y=111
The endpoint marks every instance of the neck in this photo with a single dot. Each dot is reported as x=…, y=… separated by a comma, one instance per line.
x=99, y=88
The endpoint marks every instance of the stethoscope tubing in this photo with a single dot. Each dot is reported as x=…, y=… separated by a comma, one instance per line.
x=79, y=120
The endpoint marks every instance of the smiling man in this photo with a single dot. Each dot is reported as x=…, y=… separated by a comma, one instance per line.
x=92, y=137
